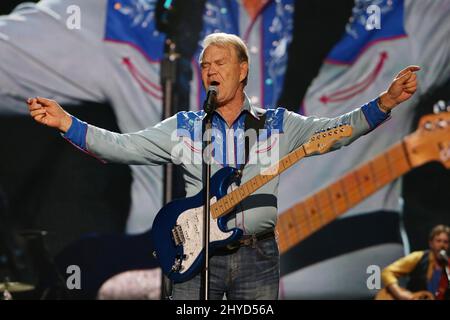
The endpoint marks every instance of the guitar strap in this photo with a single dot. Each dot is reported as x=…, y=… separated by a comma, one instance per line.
x=444, y=283
x=256, y=124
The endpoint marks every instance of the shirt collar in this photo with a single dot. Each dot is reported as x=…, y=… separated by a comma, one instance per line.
x=247, y=106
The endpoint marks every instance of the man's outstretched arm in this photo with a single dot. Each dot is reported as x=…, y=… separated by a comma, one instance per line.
x=362, y=120
x=151, y=146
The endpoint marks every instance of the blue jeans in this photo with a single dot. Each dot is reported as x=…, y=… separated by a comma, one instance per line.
x=247, y=273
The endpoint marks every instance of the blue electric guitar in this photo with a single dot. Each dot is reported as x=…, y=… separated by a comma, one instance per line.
x=177, y=231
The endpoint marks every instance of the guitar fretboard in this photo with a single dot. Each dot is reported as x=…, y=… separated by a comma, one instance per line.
x=306, y=217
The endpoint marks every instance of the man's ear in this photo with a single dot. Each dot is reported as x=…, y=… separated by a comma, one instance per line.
x=244, y=71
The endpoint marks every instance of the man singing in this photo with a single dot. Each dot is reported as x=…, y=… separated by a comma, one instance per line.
x=251, y=269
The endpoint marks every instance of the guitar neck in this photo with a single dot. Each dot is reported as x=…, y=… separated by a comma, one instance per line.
x=326, y=205
x=228, y=202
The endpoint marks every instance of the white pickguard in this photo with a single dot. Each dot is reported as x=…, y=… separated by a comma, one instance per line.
x=191, y=222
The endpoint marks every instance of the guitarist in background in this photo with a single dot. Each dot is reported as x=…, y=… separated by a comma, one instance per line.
x=426, y=269
x=251, y=269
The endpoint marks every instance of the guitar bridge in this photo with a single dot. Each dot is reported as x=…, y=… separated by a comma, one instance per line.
x=178, y=235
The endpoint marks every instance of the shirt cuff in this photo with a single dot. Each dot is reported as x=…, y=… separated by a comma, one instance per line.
x=373, y=114
x=77, y=133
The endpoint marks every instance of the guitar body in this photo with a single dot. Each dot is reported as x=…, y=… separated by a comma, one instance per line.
x=384, y=294
x=177, y=230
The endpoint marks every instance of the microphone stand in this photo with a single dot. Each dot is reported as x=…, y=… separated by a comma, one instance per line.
x=168, y=79
x=209, y=107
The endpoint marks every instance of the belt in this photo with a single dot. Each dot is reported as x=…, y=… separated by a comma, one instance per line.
x=251, y=239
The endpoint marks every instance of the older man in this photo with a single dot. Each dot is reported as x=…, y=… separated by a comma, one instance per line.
x=250, y=270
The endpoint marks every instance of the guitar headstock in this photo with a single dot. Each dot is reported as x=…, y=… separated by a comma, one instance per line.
x=431, y=140
x=323, y=140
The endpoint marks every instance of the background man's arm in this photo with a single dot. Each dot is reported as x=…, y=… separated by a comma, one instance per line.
x=402, y=267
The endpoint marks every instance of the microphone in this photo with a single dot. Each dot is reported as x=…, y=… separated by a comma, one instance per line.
x=443, y=255
x=210, y=103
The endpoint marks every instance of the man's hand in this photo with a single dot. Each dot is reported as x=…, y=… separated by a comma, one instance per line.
x=50, y=113
x=401, y=89
x=400, y=293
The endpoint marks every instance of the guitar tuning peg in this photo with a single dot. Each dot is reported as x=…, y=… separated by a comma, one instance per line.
x=440, y=106
x=428, y=125
x=442, y=124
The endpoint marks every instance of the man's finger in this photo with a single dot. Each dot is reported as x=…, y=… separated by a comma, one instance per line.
x=30, y=101
x=408, y=69
x=411, y=90
x=410, y=85
x=413, y=68
x=404, y=78
x=35, y=106
x=411, y=82
x=38, y=112
x=40, y=118
x=413, y=78
x=45, y=102
x=402, y=73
